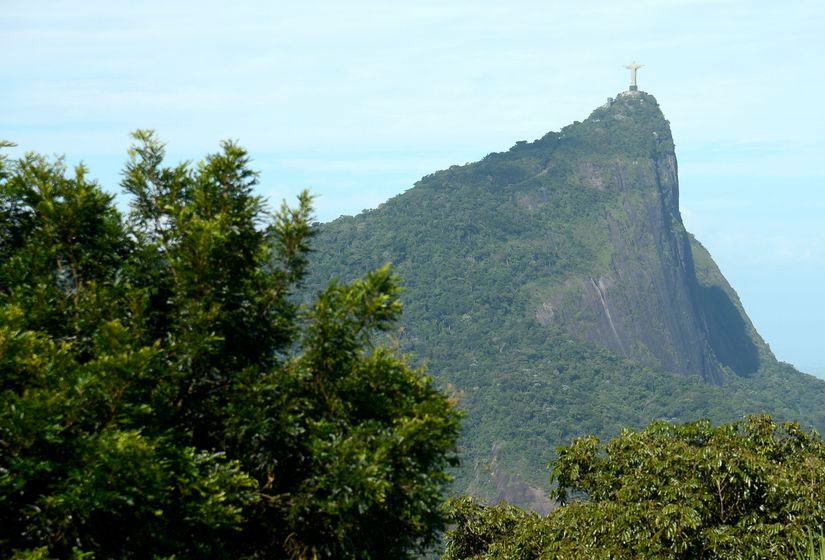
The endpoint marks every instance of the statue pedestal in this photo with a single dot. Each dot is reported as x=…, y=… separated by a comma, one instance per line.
x=634, y=88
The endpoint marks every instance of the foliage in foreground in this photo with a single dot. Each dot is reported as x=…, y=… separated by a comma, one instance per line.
x=813, y=548
x=749, y=489
x=161, y=395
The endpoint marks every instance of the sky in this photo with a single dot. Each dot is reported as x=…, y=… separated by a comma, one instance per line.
x=358, y=100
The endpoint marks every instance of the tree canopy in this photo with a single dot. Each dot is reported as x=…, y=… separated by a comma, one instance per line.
x=750, y=489
x=162, y=394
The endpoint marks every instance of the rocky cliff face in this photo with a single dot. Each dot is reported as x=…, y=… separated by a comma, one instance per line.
x=554, y=288
x=643, y=300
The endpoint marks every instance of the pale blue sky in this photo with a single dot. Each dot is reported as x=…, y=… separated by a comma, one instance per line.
x=357, y=100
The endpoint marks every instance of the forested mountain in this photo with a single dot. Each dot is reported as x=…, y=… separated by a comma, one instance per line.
x=555, y=288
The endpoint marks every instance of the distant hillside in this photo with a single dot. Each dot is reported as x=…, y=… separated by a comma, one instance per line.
x=554, y=285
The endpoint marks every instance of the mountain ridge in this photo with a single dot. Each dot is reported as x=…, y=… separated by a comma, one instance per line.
x=550, y=280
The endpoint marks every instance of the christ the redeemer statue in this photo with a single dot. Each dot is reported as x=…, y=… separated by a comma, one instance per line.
x=633, y=67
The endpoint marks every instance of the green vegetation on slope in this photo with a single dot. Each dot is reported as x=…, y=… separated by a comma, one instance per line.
x=502, y=261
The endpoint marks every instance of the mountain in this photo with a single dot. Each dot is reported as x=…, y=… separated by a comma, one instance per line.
x=555, y=288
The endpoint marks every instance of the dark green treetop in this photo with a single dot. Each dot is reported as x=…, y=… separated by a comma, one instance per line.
x=161, y=395
x=749, y=489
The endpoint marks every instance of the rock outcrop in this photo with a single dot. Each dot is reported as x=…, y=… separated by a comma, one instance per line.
x=643, y=300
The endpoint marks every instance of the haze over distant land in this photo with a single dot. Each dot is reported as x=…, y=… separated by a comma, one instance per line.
x=358, y=101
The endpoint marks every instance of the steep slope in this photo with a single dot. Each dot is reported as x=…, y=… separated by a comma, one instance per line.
x=555, y=286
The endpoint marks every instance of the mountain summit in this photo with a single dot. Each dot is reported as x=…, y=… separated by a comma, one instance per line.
x=636, y=292
x=555, y=286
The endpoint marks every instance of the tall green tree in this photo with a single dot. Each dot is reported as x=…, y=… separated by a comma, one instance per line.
x=162, y=394
x=745, y=490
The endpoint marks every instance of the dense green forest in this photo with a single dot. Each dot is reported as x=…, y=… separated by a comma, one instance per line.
x=555, y=287
x=163, y=396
